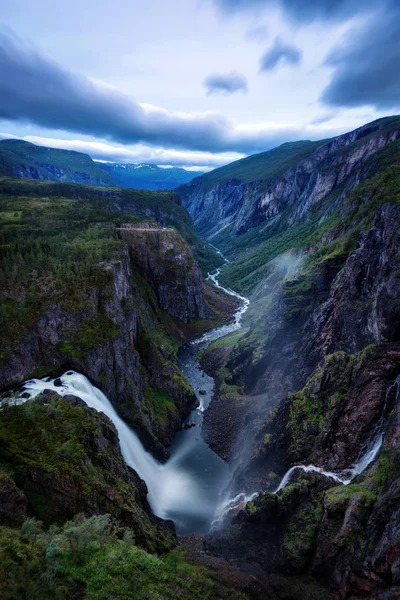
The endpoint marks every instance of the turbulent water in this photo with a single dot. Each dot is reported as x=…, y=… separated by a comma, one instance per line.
x=190, y=487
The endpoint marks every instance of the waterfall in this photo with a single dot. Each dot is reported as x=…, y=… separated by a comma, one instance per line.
x=367, y=455
x=166, y=487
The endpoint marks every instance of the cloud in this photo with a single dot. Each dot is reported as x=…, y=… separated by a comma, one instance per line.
x=228, y=83
x=259, y=33
x=303, y=10
x=279, y=53
x=366, y=65
x=34, y=89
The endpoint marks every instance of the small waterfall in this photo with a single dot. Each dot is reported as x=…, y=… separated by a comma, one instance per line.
x=367, y=455
x=309, y=469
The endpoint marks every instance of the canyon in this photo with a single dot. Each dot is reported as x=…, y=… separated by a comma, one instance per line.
x=265, y=419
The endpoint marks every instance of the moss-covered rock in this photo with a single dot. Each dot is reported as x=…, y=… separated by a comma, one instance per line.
x=65, y=459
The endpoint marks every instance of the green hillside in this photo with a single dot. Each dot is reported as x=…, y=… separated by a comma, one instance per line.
x=23, y=159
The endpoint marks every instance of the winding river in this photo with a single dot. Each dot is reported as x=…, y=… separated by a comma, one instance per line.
x=192, y=487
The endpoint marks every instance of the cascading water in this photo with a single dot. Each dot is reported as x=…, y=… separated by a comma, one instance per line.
x=367, y=455
x=189, y=487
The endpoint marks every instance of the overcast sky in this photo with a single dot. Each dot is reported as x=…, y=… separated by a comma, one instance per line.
x=194, y=83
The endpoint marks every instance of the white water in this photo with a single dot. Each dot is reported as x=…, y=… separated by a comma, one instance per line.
x=189, y=487
x=165, y=486
x=365, y=459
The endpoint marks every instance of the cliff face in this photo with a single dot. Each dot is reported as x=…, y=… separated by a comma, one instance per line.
x=115, y=333
x=335, y=306
x=321, y=179
x=311, y=379
x=163, y=259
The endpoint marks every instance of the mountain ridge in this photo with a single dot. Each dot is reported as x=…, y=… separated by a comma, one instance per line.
x=19, y=158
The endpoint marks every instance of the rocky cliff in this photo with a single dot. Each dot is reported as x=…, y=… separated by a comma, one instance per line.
x=321, y=178
x=315, y=536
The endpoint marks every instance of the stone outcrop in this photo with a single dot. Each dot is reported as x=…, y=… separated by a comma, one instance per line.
x=163, y=258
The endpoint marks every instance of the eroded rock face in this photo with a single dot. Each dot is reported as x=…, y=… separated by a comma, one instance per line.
x=335, y=167
x=116, y=334
x=13, y=502
x=166, y=262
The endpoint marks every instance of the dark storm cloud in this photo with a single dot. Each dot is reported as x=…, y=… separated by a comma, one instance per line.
x=37, y=90
x=367, y=66
x=304, y=10
x=228, y=83
x=280, y=52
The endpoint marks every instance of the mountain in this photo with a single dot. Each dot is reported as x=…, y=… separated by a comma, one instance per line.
x=312, y=381
x=215, y=199
x=23, y=159
x=147, y=177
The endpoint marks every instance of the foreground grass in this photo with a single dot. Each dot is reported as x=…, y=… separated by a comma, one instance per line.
x=92, y=559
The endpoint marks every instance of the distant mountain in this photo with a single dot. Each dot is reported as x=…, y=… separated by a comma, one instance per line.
x=23, y=159
x=148, y=177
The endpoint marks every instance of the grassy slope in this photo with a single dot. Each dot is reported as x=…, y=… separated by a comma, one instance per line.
x=17, y=154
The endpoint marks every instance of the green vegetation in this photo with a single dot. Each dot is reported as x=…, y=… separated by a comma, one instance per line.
x=52, y=249
x=95, y=559
x=300, y=536
x=346, y=492
x=163, y=408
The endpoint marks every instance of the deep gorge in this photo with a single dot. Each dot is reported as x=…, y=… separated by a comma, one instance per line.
x=260, y=426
